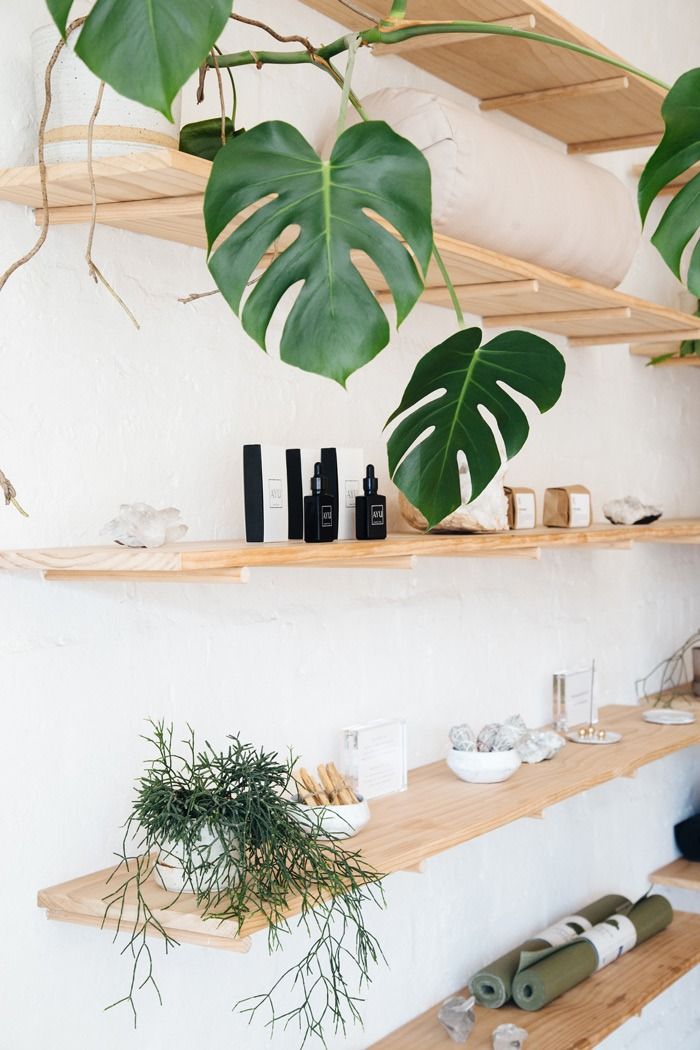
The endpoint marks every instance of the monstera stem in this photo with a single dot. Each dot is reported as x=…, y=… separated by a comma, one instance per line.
x=396, y=34
x=450, y=286
x=398, y=11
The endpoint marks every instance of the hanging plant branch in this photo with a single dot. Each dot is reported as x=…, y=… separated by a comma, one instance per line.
x=10, y=495
x=228, y=821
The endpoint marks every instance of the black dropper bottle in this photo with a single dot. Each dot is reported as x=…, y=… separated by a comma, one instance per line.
x=320, y=511
x=370, y=510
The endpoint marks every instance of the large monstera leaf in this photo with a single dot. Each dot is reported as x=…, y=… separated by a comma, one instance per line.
x=678, y=150
x=468, y=377
x=336, y=324
x=146, y=49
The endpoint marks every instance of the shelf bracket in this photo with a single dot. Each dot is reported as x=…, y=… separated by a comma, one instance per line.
x=605, y=313
x=649, y=138
x=584, y=89
x=145, y=576
x=639, y=338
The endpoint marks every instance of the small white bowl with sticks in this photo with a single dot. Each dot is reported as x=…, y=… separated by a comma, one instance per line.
x=330, y=804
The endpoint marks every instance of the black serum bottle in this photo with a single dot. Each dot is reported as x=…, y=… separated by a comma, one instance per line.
x=320, y=511
x=370, y=510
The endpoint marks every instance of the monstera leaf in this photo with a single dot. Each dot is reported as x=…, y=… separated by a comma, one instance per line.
x=146, y=49
x=468, y=377
x=678, y=150
x=336, y=324
x=203, y=138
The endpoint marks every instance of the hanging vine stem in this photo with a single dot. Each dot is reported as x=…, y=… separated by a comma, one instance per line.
x=222, y=100
x=8, y=491
x=396, y=33
x=93, y=268
x=42, y=163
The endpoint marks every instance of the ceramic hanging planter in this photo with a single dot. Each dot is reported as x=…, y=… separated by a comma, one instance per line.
x=122, y=126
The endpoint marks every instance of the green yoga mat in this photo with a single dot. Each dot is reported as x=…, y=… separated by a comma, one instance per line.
x=560, y=969
x=492, y=984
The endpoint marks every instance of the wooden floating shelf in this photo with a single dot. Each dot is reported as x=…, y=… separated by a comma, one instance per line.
x=436, y=813
x=587, y=104
x=230, y=560
x=682, y=874
x=583, y=1017
x=161, y=194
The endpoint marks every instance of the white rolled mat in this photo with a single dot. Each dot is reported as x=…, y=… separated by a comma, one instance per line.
x=500, y=190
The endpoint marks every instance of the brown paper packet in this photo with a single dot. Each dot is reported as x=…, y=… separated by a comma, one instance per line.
x=561, y=511
x=514, y=521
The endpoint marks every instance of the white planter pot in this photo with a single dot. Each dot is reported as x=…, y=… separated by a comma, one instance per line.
x=122, y=126
x=169, y=871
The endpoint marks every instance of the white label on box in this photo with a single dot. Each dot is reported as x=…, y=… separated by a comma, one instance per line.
x=563, y=931
x=275, y=493
x=352, y=487
x=579, y=510
x=524, y=517
x=375, y=757
x=611, y=939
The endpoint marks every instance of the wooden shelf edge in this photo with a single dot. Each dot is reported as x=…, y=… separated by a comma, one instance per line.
x=230, y=560
x=160, y=194
x=584, y=1016
x=681, y=873
x=550, y=89
x=438, y=812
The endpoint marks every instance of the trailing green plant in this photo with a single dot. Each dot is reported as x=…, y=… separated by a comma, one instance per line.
x=229, y=820
x=148, y=49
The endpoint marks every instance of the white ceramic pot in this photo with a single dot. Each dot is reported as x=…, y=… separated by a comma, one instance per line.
x=336, y=822
x=170, y=872
x=122, y=126
x=483, y=767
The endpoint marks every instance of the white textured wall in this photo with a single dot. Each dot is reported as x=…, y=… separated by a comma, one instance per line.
x=93, y=414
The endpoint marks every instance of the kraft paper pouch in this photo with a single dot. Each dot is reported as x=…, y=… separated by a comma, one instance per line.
x=567, y=507
x=522, y=508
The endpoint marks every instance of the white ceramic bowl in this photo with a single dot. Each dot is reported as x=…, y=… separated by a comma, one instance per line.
x=336, y=822
x=483, y=767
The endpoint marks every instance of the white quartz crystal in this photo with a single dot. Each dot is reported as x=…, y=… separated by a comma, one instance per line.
x=508, y=1037
x=487, y=513
x=630, y=511
x=138, y=525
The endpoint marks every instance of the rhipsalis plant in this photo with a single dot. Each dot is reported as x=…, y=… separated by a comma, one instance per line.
x=228, y=823
x=375, y=189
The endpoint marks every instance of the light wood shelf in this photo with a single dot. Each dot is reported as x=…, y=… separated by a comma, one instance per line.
x=583, y=1017
x=683, y=874
x=230, y=560
x=161, y=194
x=436, y=813
x=587, y=104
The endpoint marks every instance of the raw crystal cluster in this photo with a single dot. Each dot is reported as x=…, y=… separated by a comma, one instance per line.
x=533, y=745
x=138, y=525
x=630, y=511
x=487, y=513
x=508, y=1037
x=457, y=1017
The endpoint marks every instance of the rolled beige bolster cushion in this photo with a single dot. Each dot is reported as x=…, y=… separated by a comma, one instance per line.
x=500, y=190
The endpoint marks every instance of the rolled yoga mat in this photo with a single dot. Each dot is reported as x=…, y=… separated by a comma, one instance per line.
x=506, y=192
x=563, y=968
x=492, y=985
